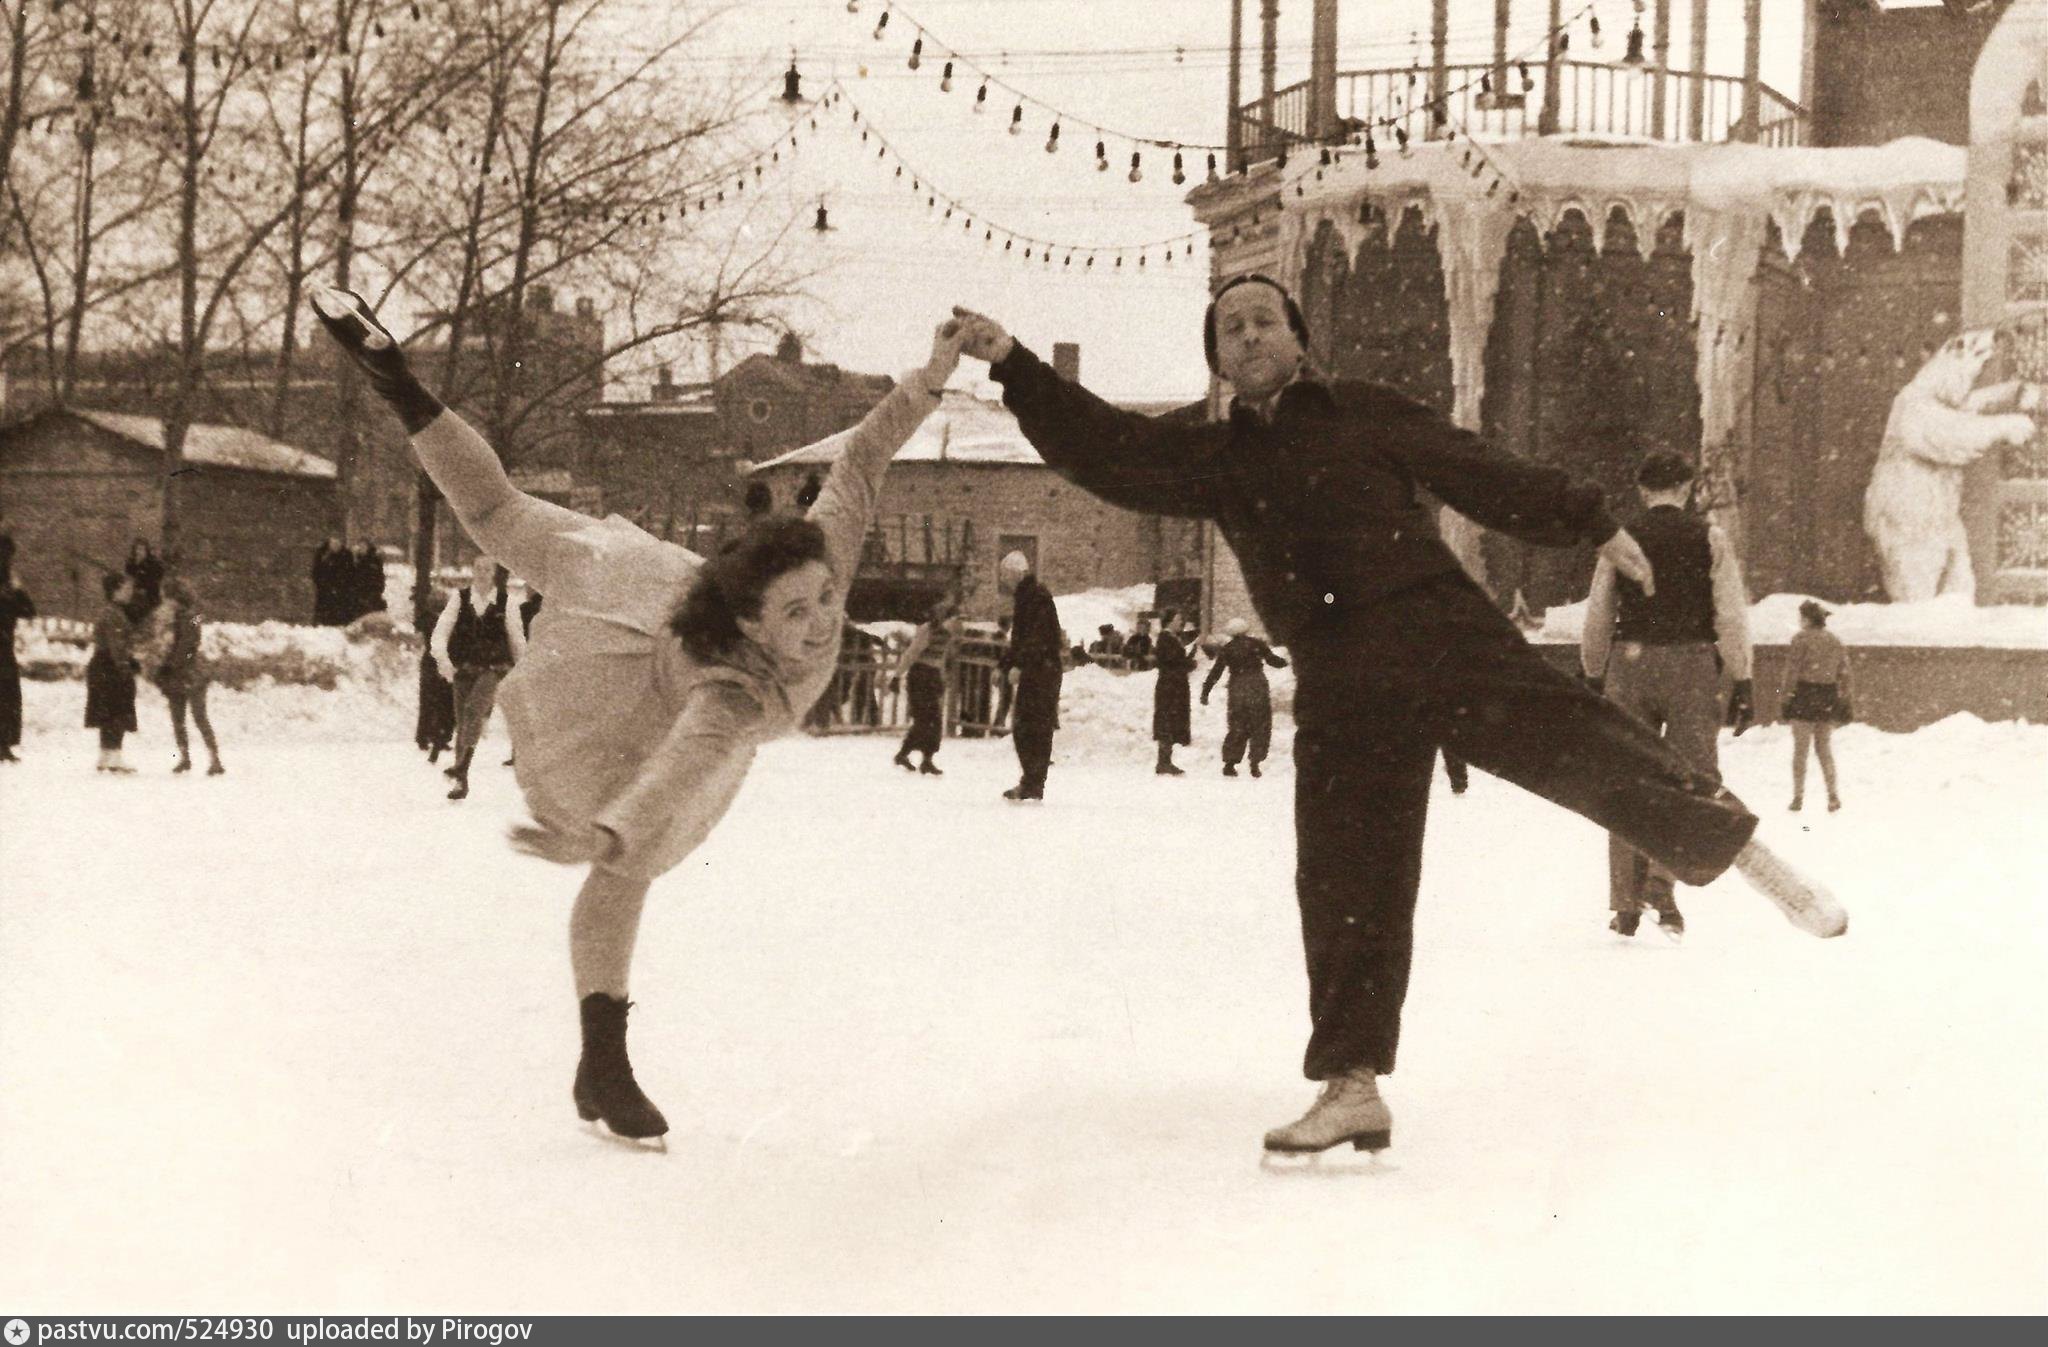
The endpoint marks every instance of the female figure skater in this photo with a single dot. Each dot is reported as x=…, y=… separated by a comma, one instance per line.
x=653, y=674
x=1818, y=670
x=925, y=658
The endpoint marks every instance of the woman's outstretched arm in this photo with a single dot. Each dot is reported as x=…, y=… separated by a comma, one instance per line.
x=846, y=504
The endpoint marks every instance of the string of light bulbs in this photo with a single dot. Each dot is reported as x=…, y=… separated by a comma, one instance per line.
x=1033, y=247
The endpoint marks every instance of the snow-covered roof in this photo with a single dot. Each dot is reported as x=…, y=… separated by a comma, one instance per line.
x=965, y=429
x=214, y=446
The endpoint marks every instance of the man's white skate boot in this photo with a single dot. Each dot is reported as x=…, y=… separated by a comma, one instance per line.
x=1805, y=904
x=1349, y=1109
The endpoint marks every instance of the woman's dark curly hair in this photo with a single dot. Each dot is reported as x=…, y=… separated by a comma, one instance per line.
x=731, y=584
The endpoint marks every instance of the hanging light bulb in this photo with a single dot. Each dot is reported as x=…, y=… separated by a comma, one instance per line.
x=1016, y=119
x=853, y=6
x=1101, y=158
x=882, y=25
x=792, y=85
x=1212, y=167
x=1136, y=174
x=823, y=224
x=1179, y=174
x=917, y=53
x=1634, y=55
x=981, y=97
x=1052, y=139
x=946, y=79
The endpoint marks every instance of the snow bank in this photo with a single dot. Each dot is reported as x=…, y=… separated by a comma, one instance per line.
x=1083, y=614
x=1949, y=621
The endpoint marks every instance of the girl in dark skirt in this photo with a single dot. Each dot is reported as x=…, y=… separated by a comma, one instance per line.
x=1817, y=667
x=110, y=674
x=925, y=657
x=434, y=729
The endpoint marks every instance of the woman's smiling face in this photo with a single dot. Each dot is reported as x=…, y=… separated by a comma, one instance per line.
x=800, y=615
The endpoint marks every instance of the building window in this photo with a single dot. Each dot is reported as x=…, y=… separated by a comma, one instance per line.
x=1027, y=543
x=758, y=410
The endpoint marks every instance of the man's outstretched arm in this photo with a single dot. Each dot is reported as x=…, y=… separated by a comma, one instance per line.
x=1167, y=465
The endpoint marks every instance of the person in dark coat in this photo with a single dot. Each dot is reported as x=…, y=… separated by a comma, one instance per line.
x=1248, y=703
x=1659, y=653
x=434, y=728
x=15, y=606
x=1035, y=652
x=923, y=669
x=1317, y=490
x=331, y=574
x=110, y=674
x=1170, y=700
x=146, y=569
x=183, y=674
x=366, y=581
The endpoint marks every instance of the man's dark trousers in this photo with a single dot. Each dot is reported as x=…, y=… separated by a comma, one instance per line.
x=1379, y=690
x=1037, y=713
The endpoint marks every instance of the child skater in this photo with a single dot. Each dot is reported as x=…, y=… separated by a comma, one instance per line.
x=1819, y=674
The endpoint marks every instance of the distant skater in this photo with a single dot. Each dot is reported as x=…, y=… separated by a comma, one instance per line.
x=1248, y=701
x=922, y=666
x=1817, y=668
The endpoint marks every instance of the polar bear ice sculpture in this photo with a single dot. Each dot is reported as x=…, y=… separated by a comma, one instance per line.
x=1938, y=426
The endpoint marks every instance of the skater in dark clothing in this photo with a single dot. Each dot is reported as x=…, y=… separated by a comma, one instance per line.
x=333, y=568
x=366, y=581
x=1659, y=656
x=1817, y=668
x=922, y=666
x=146, y=569
x=1248, y=701
x=1035, y=653
x=1316, y=488
x=110, y=674
x=182, y=674
x=1170, y=702
x=15, y=606
x=475, y=648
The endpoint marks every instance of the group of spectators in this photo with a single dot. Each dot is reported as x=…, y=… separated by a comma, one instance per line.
x=347, y=582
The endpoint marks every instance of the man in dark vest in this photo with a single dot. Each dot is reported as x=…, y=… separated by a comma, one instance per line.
x=1659, y=655
x=1317, y=488
x=476, y=647
x=1036, y=645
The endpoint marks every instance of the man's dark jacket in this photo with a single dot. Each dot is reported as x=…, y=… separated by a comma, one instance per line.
x=1322, y=506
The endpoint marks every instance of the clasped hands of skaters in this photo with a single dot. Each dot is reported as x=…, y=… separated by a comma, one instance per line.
x=985, y=339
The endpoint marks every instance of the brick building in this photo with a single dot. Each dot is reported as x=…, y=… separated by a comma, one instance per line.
x=968, y=488
x=78, y=487
x=675, y=462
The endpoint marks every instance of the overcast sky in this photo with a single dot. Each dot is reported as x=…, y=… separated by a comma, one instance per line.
x=1153, y=68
